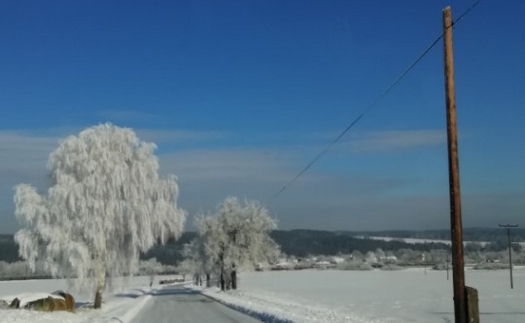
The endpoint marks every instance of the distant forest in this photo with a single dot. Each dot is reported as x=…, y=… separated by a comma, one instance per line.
x=469, y=234
x=301, y=243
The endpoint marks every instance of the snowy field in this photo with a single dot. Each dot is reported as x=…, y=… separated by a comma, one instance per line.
x=415, y=240
x=312, y=296
x=376, y=296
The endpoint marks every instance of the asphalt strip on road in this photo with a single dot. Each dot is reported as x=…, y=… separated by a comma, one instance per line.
x=182, y=305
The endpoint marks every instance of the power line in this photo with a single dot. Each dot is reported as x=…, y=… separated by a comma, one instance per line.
x=374, y=103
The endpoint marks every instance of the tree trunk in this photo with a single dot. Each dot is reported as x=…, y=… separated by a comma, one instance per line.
x=234, y=279
x=208, y=283
x=222, y=279
x=98, y=299
x=101, y=284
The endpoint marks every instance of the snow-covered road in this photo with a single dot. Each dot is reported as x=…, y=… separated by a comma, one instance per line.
x=177, y=304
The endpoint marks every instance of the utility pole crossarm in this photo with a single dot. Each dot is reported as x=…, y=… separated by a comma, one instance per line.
x=508, y=225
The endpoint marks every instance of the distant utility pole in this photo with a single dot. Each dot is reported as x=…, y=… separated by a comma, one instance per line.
x=448, y=261
x=508, y=227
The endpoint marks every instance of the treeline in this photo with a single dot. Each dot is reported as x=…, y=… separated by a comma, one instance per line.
x=300, y=243
x=171, y=252
x=8, y=248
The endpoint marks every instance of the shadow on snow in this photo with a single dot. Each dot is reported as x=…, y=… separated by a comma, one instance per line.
x=261, y=316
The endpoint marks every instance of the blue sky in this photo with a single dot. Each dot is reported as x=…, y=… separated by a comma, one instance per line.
x=240, y=95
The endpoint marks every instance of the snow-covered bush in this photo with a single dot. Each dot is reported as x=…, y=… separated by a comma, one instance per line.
x=104, y=206
x=151, y=268
x=186, y=267
x=356, y=255
x=371, y=258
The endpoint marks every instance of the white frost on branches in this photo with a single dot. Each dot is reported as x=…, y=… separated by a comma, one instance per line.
x=195, y=260
x=238, y=235
x=104, y=206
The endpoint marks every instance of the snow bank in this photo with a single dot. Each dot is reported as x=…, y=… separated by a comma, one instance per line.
x=274, y=308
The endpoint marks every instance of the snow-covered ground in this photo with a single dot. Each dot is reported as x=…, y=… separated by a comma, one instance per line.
x=122, y=305
x=310, y=296
x=375, y=296
x=414, y=240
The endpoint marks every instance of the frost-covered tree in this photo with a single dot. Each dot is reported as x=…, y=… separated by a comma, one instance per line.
x=196, y=260
x=380, y=254
x=371, y=257
x=104, y=206
x=237, y=236
x=358, y=256
x=151, y=268
x=185, y=267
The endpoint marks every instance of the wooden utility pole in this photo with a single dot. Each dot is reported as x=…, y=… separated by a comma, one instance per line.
x=508, y=227
x=458, y=271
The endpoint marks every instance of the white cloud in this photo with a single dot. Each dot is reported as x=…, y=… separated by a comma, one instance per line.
x=388, y=141
x=23, y=154
x=384, y=141
x=328, y=199
x=177, y=136
x=227, y=163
